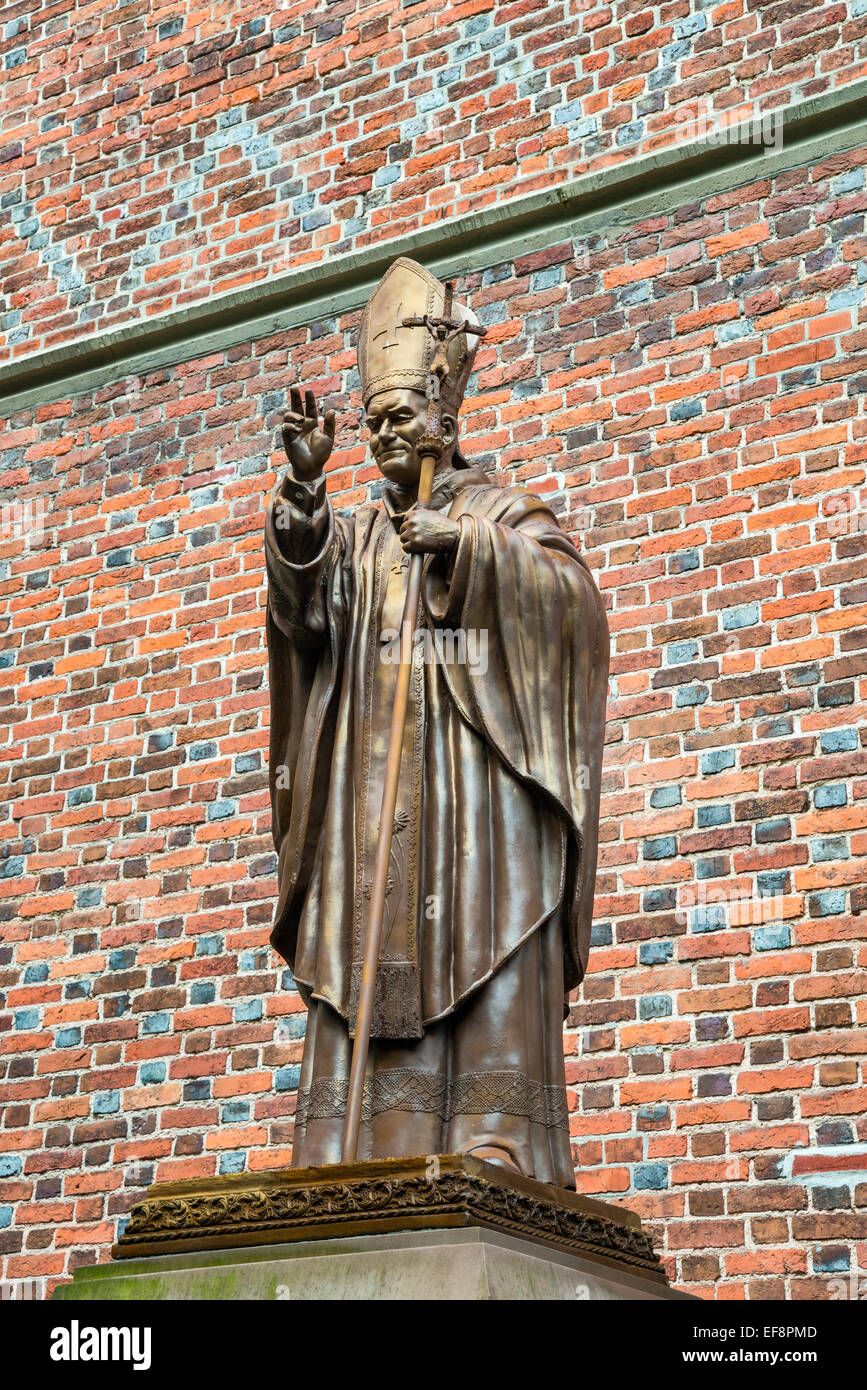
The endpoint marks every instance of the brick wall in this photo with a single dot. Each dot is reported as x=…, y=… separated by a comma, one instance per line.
x=688, y=394
x=150, y=157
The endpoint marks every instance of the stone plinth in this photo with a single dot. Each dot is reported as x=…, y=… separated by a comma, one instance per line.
x=469, y=1264
x=443, y=1227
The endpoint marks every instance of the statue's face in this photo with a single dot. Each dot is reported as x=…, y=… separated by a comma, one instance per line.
x=396, y=420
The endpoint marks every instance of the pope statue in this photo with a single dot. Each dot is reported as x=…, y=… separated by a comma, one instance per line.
x=489, y=896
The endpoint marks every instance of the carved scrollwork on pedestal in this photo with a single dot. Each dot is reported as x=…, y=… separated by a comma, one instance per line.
x=299, y=1205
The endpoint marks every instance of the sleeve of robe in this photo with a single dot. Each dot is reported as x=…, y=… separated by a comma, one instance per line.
x=304, y=547
x=540, y=701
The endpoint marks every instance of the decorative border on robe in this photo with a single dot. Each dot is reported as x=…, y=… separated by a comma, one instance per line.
x=469, y=1093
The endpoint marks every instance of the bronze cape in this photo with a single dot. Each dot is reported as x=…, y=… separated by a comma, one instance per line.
x=490, y=892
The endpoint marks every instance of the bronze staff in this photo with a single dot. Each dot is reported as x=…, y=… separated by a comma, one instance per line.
x=429, y=448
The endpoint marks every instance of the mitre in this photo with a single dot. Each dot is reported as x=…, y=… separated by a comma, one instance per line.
x=391, y=356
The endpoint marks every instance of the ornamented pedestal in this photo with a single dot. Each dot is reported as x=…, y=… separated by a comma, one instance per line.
x=444, y=1227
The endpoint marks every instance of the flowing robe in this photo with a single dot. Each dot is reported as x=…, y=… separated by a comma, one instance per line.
x=490, y=893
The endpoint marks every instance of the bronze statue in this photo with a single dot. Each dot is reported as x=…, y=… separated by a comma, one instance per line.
x=490, y=855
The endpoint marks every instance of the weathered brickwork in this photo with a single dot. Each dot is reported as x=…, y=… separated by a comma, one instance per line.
x=689, y=394
x=153, y=153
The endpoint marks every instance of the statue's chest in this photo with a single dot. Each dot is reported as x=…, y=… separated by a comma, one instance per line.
x=395, y=571
x=398, y=1007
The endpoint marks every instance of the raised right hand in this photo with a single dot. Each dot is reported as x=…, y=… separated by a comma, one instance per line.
x=308, y=448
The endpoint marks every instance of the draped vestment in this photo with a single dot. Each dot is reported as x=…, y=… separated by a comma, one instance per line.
x=490, y=890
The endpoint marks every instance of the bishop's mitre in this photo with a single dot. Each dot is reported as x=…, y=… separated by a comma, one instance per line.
x=392, y=356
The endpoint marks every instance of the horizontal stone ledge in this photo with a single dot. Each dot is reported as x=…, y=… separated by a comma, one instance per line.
x=611, y=197
x=469, y=1264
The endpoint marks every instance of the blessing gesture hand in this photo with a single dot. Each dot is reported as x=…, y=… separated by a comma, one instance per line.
x=308, y=447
